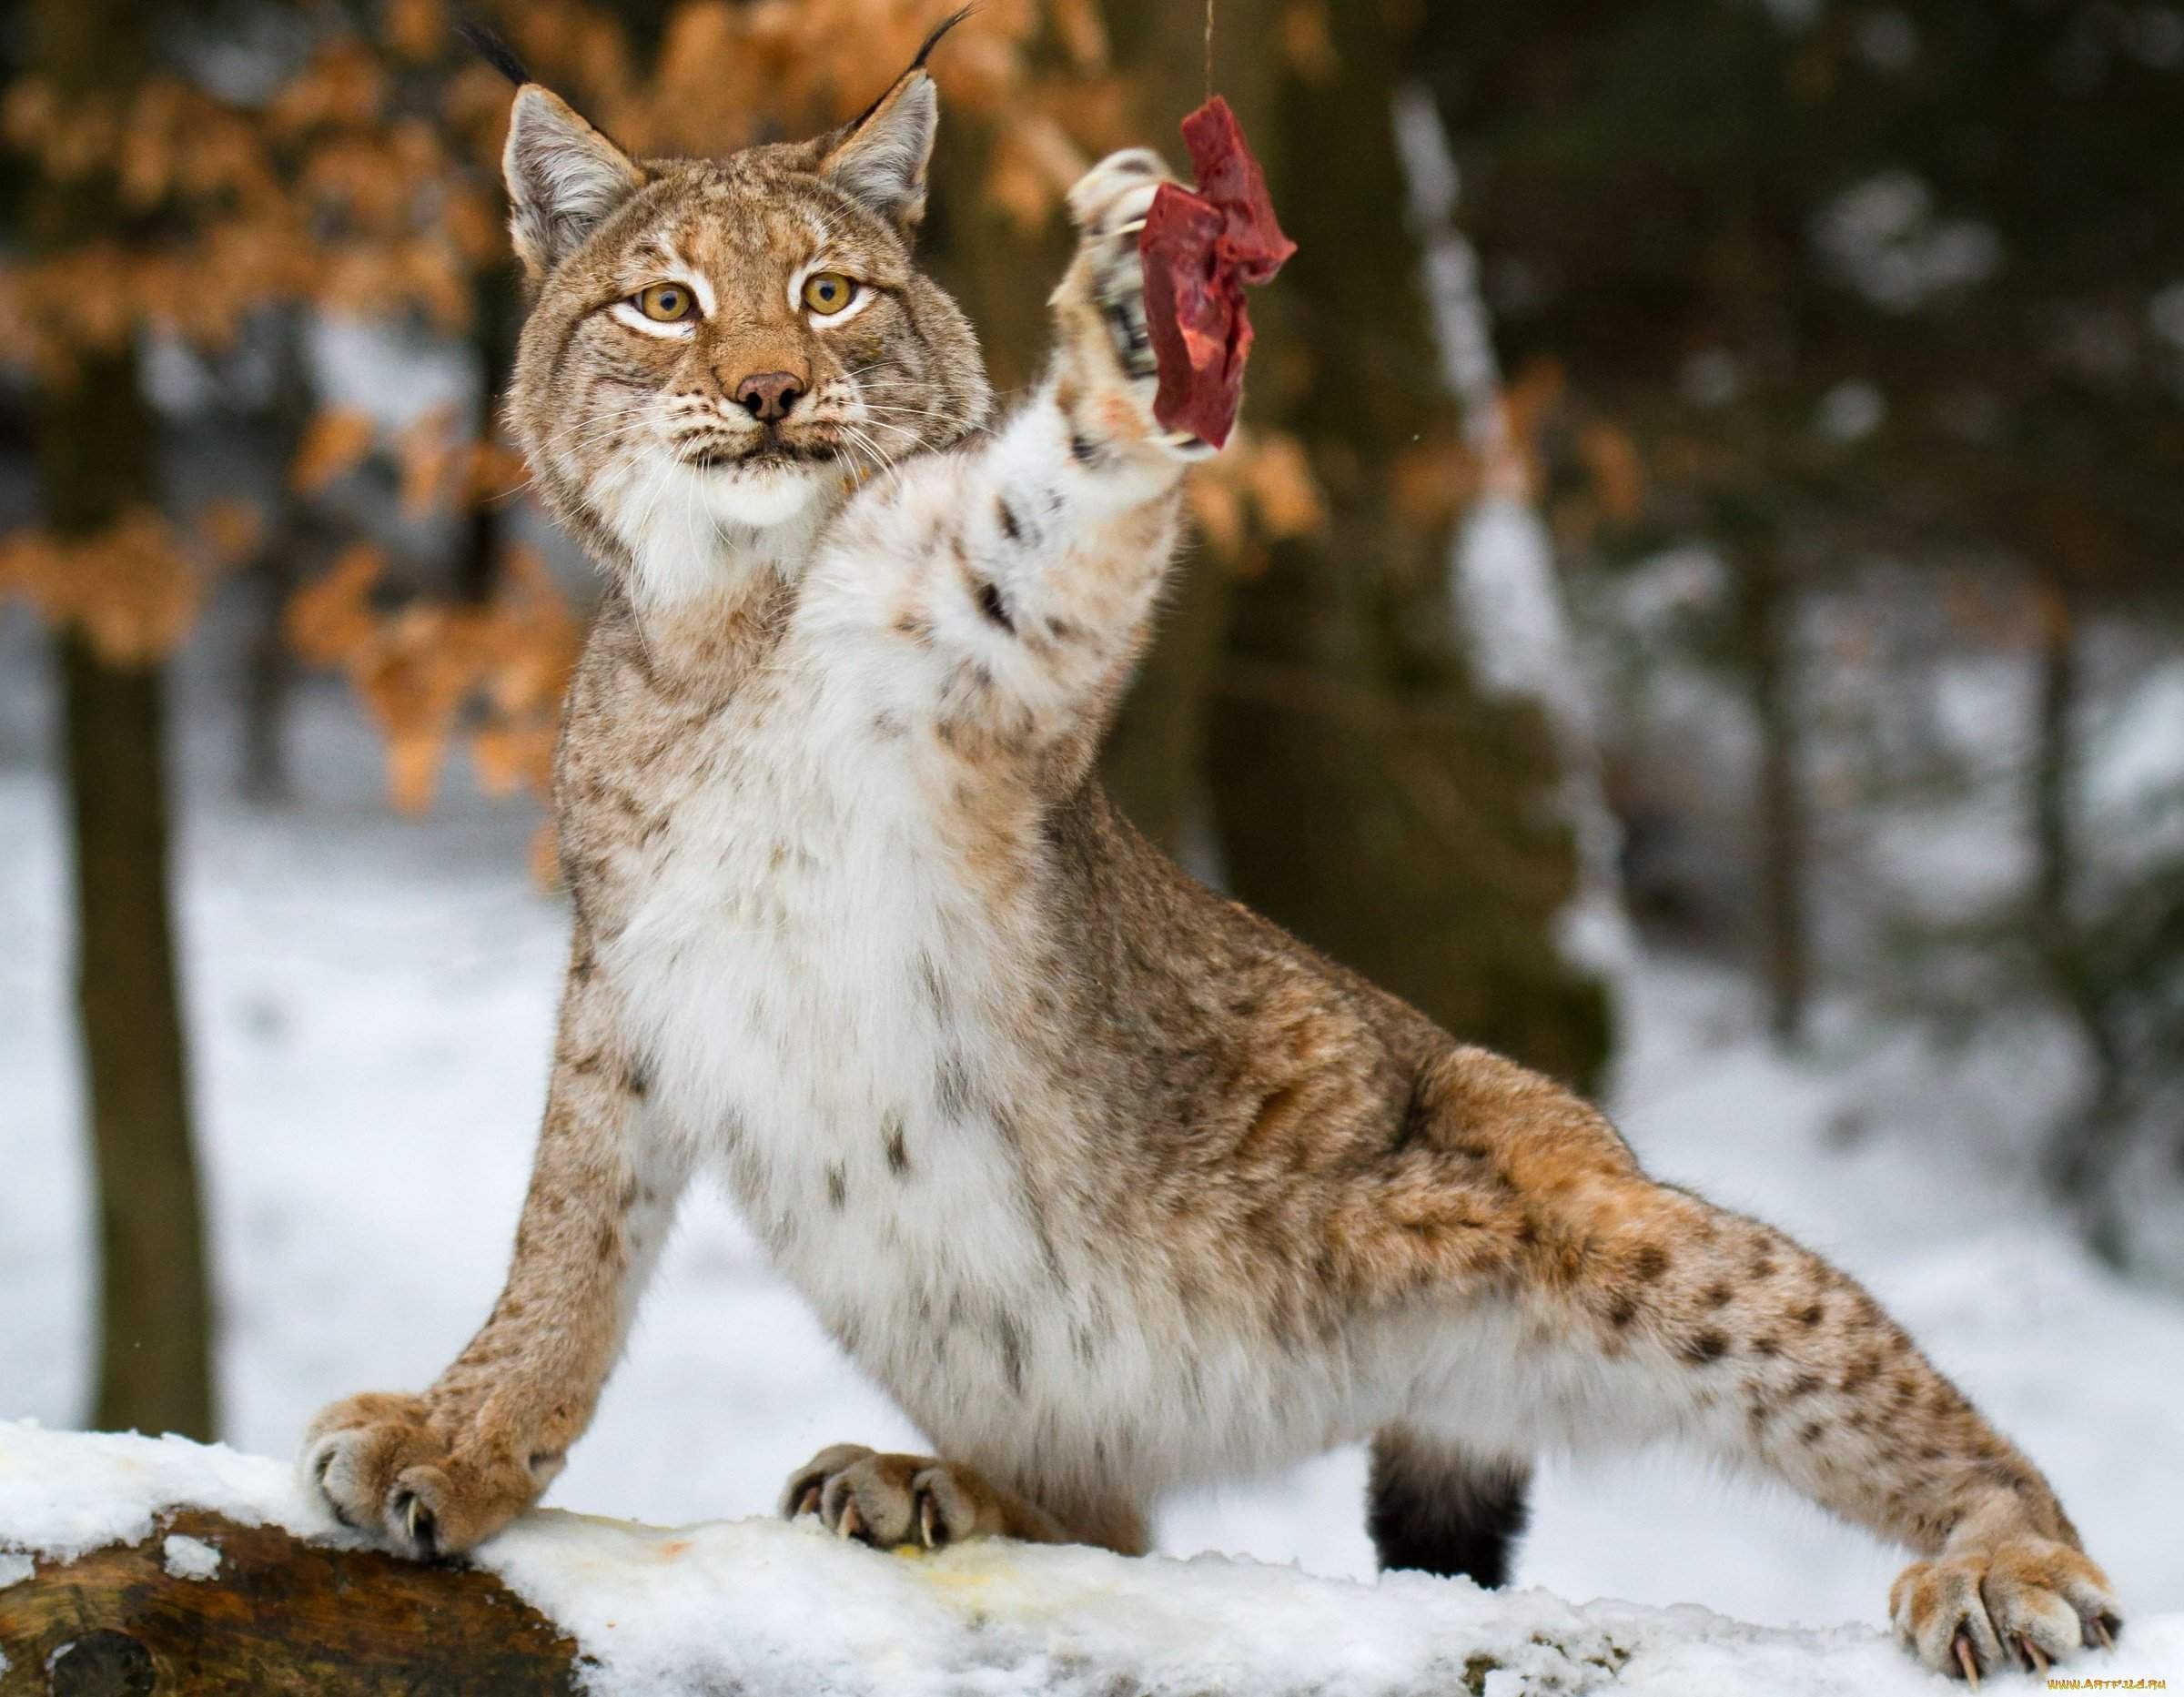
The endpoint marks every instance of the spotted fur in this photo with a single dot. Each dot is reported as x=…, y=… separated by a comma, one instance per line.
x=1116, y=1187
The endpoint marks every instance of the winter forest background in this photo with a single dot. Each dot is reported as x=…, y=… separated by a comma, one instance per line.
x=1695, y=606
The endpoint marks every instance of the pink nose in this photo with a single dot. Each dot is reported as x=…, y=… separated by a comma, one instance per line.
x=767, y=395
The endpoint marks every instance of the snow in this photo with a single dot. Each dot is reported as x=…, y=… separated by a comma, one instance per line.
x=1882, y=238
x=734, y=1604
x=371, y=1005
x=189, y=1558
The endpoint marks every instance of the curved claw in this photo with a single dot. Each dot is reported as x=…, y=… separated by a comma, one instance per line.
x=2098, y=1627
x=1967, y=1659
x=929, y=1527
x=417, y=1521
x=2036, y=1663
x=809, y=1502
x=851, y=1523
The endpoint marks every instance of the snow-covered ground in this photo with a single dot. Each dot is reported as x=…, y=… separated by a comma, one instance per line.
x=761, y=1605
x=370, y=1003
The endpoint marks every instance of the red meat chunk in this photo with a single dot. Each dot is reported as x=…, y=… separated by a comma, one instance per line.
x=1199, y=250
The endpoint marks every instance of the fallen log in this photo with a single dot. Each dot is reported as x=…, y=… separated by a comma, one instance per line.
x=208, y=1604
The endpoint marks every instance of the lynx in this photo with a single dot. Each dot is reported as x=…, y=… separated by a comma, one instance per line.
x=1113, y=1185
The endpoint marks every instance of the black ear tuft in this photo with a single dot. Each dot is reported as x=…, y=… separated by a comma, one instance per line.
x=925, y=52
x=487, y=44
x=946, y=24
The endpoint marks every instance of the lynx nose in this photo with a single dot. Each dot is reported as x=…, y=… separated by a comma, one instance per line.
x=767, y=395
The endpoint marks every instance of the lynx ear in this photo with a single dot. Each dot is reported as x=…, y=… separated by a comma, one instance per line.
x=880, y=159
x=564, y=178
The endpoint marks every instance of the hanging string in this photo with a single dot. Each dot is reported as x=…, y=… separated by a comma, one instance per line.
x=1209, y=49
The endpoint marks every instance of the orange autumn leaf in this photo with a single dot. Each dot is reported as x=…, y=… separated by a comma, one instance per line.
x=230, y=529
x=1432, y=482
x=333, y=443
x=1618, y=470
x=1284, y=490
x=428, y=459
x=329, y=621
x=510, y=756
x=1034, y=162
x=1217, y=506
x=1078, y=26
x=416, y=29
x=131, y=589
x=1307, y=45
x=496, y=472
x=546, y=856
x=414, y=758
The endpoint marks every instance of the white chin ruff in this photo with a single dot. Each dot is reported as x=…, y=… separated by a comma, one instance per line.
x=761, y=496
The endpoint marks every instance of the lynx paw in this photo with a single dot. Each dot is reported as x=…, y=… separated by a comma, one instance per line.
x=885, y=1500
x=1100, y=305
x=386, y=1470
x=2026, y=1602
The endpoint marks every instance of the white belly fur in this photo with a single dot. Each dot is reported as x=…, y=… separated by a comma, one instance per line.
x=774, y=966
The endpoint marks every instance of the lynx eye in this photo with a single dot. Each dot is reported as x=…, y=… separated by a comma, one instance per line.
x=827, y=292
x=666, y=303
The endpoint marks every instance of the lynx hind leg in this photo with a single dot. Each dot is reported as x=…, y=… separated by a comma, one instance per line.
x=888, y=1500
x=1665, y=1314
x=1099, y=305
x=2026, y=1602
x=1434, y=1506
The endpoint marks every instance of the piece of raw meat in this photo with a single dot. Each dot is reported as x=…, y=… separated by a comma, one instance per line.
x=1199, y=250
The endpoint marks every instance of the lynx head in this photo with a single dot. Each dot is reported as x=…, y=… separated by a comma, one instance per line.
x=717, y=348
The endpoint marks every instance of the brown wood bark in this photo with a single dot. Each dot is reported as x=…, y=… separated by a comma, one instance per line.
x=1767, y=613
x=95, y=461
x=2089, y=1142
x=280, y=1616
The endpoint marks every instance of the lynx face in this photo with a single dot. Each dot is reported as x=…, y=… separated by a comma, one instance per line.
x=722, y=347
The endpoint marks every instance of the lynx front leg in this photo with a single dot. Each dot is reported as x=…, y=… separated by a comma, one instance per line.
x=428, y=1475
x=1010, y=584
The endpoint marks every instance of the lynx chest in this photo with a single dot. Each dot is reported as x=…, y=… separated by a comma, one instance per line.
x=830, y=1013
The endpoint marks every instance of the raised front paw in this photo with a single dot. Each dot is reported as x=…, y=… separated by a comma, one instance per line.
x=387, y=1468
x=1099, y=308
x=2028, y=1600
x=890, y=1500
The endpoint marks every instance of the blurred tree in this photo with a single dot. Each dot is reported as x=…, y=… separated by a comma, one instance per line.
x=98, y=478
x=1371, y=791
x=1858, y=281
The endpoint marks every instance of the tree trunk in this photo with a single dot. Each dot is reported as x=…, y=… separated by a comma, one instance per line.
x=2086, y=1145
x=95, y=442
x=1767, y=611
x=1370, y=794
x=493, y=340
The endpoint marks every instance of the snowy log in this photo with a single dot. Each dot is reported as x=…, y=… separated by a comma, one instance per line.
x=204, y=1603
x=149, y=1566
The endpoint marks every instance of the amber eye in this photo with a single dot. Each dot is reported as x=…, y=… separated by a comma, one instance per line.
x=827, y=292
x=666, y=303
